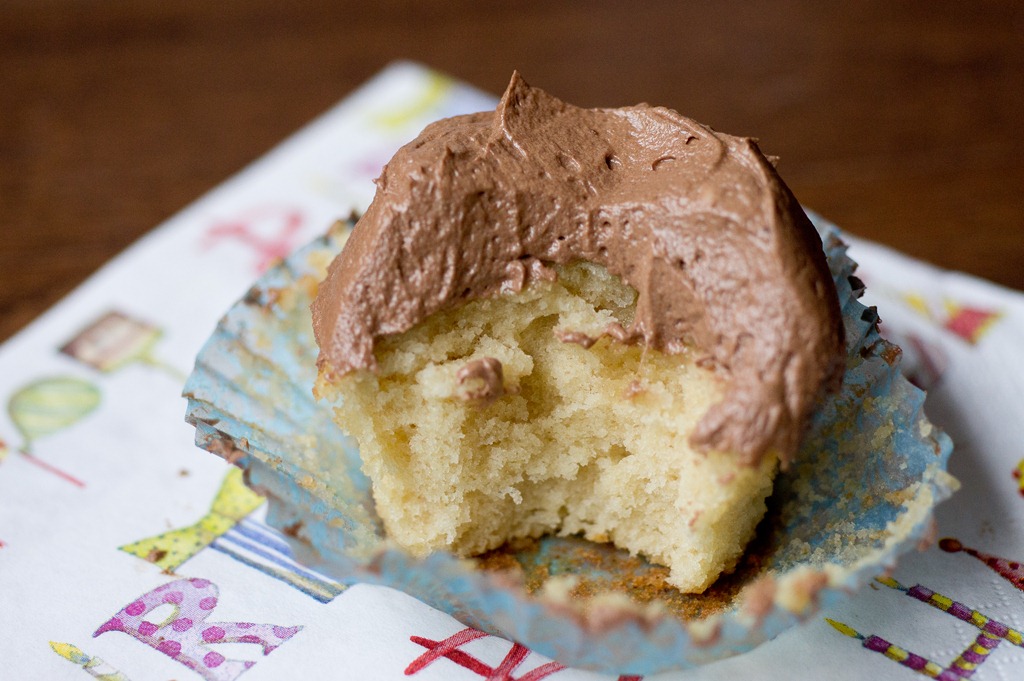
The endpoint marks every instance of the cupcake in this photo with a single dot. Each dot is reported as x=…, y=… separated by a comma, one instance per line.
x=607, y=323
x=554, y=360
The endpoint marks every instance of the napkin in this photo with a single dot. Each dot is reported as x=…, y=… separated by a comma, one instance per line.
x=127, y=553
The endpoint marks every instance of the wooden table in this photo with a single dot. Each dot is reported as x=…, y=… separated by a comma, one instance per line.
x=900, y=123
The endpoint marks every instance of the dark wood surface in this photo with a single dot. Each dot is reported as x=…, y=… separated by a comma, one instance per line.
x=902, y=122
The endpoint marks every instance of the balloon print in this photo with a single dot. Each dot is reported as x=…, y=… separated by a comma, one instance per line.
x=47, y=406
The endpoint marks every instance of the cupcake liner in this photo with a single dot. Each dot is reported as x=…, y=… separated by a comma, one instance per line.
x=870, y=471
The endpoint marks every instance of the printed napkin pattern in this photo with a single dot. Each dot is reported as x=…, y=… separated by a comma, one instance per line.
x=126, y=553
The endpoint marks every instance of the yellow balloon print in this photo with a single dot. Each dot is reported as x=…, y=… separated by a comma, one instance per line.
x=50, y=405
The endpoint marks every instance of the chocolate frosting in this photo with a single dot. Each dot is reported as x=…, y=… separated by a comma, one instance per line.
x=699, y=223
x=490, y=376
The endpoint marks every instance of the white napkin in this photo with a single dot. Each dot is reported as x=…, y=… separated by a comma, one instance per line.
x=127, y=553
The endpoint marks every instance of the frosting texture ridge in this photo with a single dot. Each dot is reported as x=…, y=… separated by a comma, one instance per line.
x=724, y=260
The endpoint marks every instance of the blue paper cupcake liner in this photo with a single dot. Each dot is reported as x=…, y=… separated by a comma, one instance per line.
x=869, y=473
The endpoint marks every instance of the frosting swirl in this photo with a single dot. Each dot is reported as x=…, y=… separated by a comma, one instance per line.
x=698, y=222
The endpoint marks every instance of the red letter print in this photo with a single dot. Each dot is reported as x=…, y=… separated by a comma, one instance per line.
x=250, y=228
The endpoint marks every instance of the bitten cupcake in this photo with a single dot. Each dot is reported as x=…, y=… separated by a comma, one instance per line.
x=615, y=323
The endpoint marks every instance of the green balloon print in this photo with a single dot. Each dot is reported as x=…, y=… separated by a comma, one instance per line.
x=50, y=405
